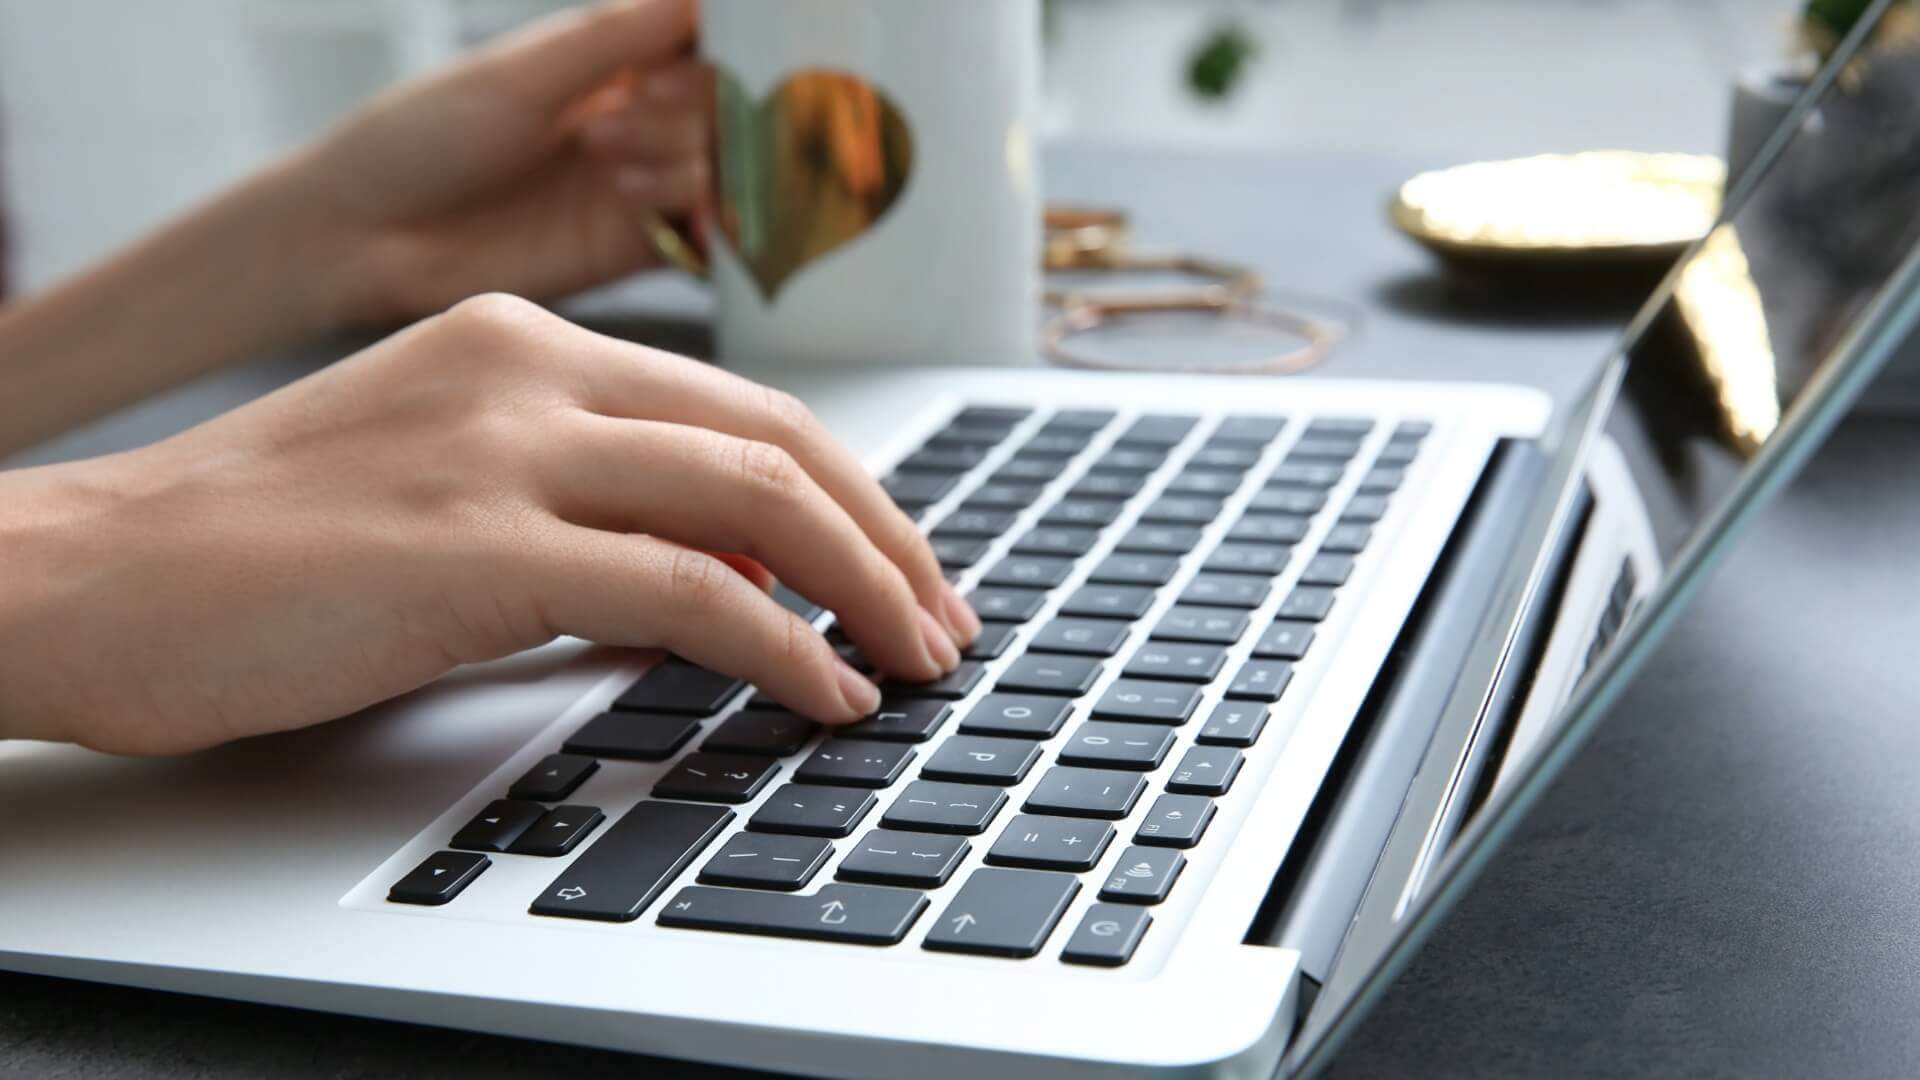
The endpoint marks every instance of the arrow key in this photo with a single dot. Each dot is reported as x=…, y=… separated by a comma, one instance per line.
x=1003, y=913
x=439, y=879
x=554, y=778
x=498, y=826
x=559, y=832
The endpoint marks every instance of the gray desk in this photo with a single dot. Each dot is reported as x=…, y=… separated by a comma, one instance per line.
x=1724, y=884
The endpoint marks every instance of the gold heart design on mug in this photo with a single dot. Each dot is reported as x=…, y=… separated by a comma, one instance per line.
x=805, y=171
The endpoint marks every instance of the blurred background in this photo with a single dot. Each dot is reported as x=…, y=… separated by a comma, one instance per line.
x=115, y=114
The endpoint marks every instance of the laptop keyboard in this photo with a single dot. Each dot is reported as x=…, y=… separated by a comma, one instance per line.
x=1129, y=715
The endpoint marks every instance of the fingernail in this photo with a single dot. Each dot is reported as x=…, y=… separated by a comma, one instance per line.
x=856, y=689
x=939, y=643
x=965, y=621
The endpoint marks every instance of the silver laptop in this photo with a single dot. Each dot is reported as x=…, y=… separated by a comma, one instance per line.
x=1271, y=667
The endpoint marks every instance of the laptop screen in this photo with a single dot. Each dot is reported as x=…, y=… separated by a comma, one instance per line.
x=1752, y=347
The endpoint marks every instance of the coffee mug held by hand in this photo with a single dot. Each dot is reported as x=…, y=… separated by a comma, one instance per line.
x=876, y=198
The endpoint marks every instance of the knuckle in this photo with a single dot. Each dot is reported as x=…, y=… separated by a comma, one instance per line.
x=768, y=471
x=787, y=417
x=696, y=581
x=495, y=314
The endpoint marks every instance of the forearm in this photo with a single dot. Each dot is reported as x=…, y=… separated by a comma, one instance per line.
x=248, y=272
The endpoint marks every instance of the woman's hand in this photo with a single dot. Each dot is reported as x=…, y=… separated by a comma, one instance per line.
x=476, y=485
x=528, y=168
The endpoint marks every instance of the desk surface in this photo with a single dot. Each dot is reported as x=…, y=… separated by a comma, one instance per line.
x=1723, y=884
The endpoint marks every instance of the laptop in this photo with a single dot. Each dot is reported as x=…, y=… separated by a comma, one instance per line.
x=1271, y=667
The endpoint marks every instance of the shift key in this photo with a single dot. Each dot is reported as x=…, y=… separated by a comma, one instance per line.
x=632, y=862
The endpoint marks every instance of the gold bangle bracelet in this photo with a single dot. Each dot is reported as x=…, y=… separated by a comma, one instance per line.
x=1083, y=316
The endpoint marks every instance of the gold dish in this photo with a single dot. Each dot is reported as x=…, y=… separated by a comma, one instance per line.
x=1603, y=204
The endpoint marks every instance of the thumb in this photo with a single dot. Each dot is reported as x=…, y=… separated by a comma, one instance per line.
x=556, y=59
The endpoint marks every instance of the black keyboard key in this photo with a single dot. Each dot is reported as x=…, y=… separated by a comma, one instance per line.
x=1383, y=480
x=855, y=659
x=931, y=806
x=1225, y=457
x=1233, y=723
x=1159, y=429
x=1176, y=662
x=980, y=759
x=1297, y=501
x=1057, y=540
x=1148, y=702
x=675, y=686
x=855, y=763
x=1182, y=510
x=1160, y=539
x=850, y=914
x=1205, y=770
x=1045, y=673
x=1090, y=793
x=1029, y=571
x=1081, y=637
x=1226, y=590
x=1284, y=640
x=1108, y=601
x=1315, y=476
x=1206, y=625
x=952, y=686
x=1131, y=461
x=958, y=552
x=1051, y=843
x=1175, y=821
x=977, y=436
x=1324, y=449
x=1102, y=744
x=992, y=642
x=622, y=872
x=971, y=520
x=559, y=832
x=1143, y=875
x=999, y=415
x=1027, y=470
x=1116, y=486
x=498, y=826
x=958, y=459
x=1011, y=605
x=1088, y=420
x=773, y=733
x=1412, y=430
x=766, y=861
x=1084, y=513
x=439, y=878
x=1004, y=496
x=1307, y=602
x=909, y=859
x=554, y=778
x=1260, y=680
x=1347, y=538
x=1135, y=569
x=812, y=810
x=1338, y=426
x=1264, y=560
x=1195, y=482
x=1108, y=935
x=1024, y=716
x=905, y=720
x=720, y=778
x=1268, y=529
x=1249, y=429
x=1058, y=444
x=1365, y=509
x=1398, y=452
x=799, y=605
x=1332, y=570
x=1003, y=913
x=916, y=489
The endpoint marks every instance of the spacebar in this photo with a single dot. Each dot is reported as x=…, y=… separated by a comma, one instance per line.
x=632, y=862
x=861, y=914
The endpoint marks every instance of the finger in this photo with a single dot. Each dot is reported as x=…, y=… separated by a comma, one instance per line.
x=647, y=135
x=722, y=493
x=687, y=84
x=643, y=383
x=556, y=59
x=750, y=568
x=638, y=591
x=673, y=187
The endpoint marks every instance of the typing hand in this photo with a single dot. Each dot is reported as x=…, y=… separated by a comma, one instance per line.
x=527, y=168
x=478, y=484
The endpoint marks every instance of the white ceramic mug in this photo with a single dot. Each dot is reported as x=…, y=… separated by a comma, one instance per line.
x=876, y=180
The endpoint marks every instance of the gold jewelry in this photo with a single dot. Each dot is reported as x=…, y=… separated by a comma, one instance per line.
x=1077, y=236
x=1083, y=315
